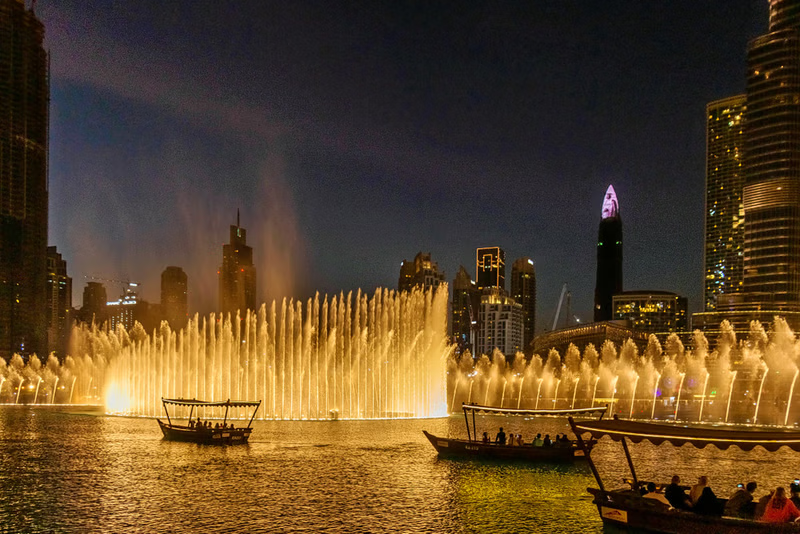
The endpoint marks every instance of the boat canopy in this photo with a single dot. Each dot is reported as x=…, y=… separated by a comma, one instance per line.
x=700, y=437
x=510, y=411
x=211, y=404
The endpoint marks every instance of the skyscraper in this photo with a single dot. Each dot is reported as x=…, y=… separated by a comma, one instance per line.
x=523, y=291
x=772, y=162
x=490, y=268
x=724, y=235
x=24, y=105
x=465, y=306
x=422, y=272
x=237, y=275
x=609, y=257
x=59, y=303
x=175, y=297
x=95, y=300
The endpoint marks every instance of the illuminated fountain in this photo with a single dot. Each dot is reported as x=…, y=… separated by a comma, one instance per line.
x=750, y=381
x=352, y=356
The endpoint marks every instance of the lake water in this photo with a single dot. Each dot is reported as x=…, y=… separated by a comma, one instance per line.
x=66, y=472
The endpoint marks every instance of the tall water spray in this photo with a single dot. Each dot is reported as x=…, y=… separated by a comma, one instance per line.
x=349, y=356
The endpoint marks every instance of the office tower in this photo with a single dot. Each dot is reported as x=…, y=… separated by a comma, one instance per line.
x=490, y=271
x=523, y=290
x=237, y=275
x=59, y=303
x=124, y=311
x=609, y=257
x=500, y=324
x=724, y=237
x=174, y=297
x=422, y=273
x=24, y=103
x=772, y=163
x=464, y=309
x=652, y=311
x=95, y=299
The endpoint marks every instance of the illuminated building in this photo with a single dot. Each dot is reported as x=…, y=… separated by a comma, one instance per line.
x=94, y=304
x=609, y=257
x=724, y=234
x=465, y=306
x=422, y=273
x=651, y=311
x=237, y=275
x=500, y=324
x=523, y=290
x=490, y=268
x=24, y=106
x=772, y=163
x=123, y=311
x=174, y=297
x=59, y=303
x=582, y=335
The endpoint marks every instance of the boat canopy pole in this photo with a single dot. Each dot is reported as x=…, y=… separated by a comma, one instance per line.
x=191, y=411
x=630, y=462
x=254, y=415
x=474, y=427
x=226, y=412
x=466, y=420
x=586, y=453
x=166, y=412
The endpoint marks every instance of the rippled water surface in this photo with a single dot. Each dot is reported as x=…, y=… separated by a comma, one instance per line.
x=67, y=472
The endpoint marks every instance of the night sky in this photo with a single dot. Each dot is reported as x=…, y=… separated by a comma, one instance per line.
x=352, y=136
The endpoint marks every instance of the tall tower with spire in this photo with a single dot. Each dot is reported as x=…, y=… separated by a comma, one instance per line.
x=609, y=257
x=237, y=275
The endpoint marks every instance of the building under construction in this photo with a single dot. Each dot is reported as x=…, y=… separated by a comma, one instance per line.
x=24, y=105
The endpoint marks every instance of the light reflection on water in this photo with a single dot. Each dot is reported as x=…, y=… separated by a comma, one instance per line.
x=77, y=473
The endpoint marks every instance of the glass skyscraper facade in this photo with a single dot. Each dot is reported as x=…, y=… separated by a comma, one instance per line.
x=24, y=107
x=724, y=234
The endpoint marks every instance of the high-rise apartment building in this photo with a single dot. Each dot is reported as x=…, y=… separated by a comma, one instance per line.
x=24, y=106
x=609, y=257
x=724, y=234
x=652, y=311
x=59, y=303
x=464, y=308
x=772, y=162
x=500, y=320
x=523, y=291
x=237, y=275
x=124, y=311
x=490, y=268
x=95, y=300
x=422, y=272
x=175, y=297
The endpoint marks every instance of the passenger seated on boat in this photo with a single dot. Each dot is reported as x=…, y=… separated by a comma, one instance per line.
x=780, y=509
x=486, y=438
x=697, y=489
x=500, y=439
x=538, y=442
x=676, y=495
x=761, y=506
x=231, y=426
x=547, y=441
x=520, y=442
x=708, y=504
x=794, y=488
x=216, y=426
x=741, y=504
x=653, y=494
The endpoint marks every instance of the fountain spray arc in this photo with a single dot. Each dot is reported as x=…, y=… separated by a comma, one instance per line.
x=750, y=381
x=348, y=356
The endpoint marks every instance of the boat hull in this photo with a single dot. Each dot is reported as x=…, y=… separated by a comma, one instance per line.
x=205, y=436
x=624, y=511
x=474, y=449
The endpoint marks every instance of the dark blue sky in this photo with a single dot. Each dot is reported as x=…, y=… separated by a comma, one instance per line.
x=353, y=136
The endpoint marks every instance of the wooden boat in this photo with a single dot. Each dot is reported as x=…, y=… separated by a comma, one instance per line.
x=626, y=508
x=475, y=448
x=224, y=435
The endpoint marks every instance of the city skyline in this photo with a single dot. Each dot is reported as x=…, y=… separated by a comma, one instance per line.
x=349, y=151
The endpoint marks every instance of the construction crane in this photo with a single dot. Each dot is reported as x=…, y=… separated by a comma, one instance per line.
x=568, y=294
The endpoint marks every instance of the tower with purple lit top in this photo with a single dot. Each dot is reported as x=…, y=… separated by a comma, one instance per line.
x=609, y=257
